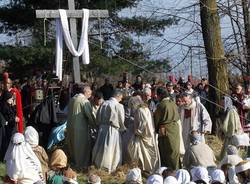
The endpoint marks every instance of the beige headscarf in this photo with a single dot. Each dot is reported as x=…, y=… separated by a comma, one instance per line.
x=134, y=102
x=58, y=159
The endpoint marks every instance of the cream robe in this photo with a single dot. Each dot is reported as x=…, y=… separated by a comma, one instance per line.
x=143, y=146
x=199, y=117
x=199, y=155
x=80, y=118
x=231, y=126
x=107, y=152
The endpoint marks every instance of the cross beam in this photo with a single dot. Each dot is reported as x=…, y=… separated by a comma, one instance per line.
x=73, y=14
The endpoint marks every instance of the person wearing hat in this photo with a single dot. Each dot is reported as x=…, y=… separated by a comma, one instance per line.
x=189, y=88
x=170, y=90
x=243, y=172
x=231, y=157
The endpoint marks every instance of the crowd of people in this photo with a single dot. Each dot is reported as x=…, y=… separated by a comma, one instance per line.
x=158, y=128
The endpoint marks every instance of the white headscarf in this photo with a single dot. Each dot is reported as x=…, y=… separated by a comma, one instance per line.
x=155, y=179
x=219, y=176
x=134, y=175
x=200, y=173
x=183, y=176
x=196, y=139
x=240, y=140
x=228, y=103
x=170, y=180
x=31, y=136
x=160, y=170
x=19, y=155
x=232, y=150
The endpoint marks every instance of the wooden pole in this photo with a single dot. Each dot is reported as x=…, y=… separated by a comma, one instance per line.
x=73, y=14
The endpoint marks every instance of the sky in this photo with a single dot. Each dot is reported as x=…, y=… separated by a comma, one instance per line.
x=180, y=55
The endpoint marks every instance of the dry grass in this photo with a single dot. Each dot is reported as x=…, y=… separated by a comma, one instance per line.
x=120, y=175
x=216, y=144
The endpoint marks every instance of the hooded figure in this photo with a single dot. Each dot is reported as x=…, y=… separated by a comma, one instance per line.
x=143, y=146
x=22, y=165
x=218, y=177
x=155, y=179
x=232, y=157
x=170, y=180
x=200, y=175
x=231, y=123
x=199, y=154
x=183, y=176
x=134, y=176
x=32, y=137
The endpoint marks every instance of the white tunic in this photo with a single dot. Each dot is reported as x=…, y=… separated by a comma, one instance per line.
x=199, y=121
x=107, y=152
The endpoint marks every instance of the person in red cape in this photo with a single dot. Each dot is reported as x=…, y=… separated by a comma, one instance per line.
x=18, y=99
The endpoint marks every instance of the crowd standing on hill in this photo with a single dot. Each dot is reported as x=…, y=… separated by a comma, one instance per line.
x=158, y=128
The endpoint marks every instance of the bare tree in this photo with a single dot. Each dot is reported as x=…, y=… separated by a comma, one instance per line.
x=216, y=61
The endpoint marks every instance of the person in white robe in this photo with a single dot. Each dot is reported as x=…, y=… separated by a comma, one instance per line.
x=80, y=120
x=231, y=123
x=143, y=146
x=194, y=119
x=107, y=152
x=22, y=165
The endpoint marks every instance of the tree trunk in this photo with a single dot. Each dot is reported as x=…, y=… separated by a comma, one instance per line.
x=217, y=65
x=247, y=33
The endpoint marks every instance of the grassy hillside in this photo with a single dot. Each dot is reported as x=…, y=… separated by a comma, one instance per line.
x=120, y=175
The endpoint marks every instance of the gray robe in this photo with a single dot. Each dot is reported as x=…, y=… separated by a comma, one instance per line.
x=107, y=152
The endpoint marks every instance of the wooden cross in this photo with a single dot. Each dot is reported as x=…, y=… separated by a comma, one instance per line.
x=73, y=14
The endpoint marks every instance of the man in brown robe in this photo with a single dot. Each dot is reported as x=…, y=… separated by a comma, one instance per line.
x=165, y=118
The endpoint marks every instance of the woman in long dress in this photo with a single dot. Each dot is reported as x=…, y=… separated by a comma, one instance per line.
x=142, y=146
x=231, y=123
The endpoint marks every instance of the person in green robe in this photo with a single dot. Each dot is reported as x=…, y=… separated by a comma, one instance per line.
x=165, y=118
x=80, y=120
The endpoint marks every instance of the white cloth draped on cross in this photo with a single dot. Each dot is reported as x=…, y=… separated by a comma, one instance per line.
x=62, y=31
